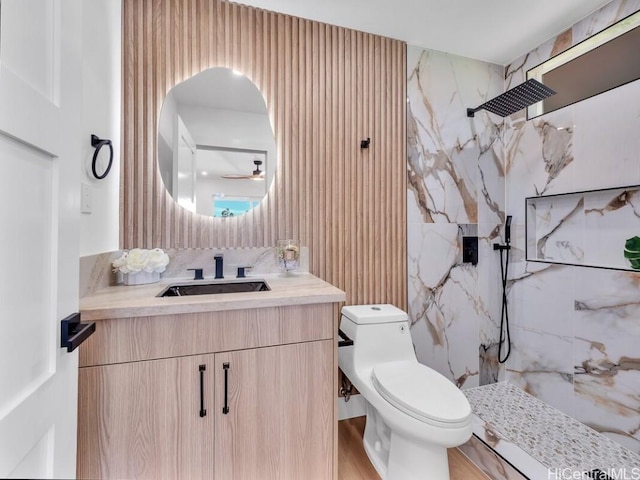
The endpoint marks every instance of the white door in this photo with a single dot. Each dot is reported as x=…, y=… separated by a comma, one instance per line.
x=40, y=148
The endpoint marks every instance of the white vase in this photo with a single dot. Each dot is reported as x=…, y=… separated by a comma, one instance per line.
x=140, y=278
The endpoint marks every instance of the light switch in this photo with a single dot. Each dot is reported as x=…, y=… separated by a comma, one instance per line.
x=86, y=198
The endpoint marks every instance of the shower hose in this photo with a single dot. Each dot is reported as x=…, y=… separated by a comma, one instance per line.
x=505, y=336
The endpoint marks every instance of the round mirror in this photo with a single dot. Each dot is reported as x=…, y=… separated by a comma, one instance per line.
x=216, y=148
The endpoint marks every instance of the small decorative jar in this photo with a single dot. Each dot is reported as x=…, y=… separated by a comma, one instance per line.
x=288, y=254
x=140, y=278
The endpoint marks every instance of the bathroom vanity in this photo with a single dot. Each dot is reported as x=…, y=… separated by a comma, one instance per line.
x=212, y=386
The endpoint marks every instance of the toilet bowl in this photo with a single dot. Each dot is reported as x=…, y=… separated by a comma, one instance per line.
x=413, y=412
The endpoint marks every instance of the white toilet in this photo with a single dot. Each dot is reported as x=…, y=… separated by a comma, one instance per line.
x=413, y=413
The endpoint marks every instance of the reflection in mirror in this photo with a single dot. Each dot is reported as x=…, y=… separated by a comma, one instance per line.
x=600, y=63
x=216, y=149
x=245, y=164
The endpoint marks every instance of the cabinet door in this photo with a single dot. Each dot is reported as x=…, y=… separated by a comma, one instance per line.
x=279, y=423
x=143, y=420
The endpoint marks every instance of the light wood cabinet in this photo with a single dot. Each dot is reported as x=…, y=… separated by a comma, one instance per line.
x=280, y=412
x=142, y=420
x=143, y=417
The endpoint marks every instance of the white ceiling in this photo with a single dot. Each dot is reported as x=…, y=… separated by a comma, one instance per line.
x=495, y=31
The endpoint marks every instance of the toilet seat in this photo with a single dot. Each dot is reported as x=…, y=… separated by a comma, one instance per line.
x=422, y=393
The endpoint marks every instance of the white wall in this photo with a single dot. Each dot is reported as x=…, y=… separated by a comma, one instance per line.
x=101, y=72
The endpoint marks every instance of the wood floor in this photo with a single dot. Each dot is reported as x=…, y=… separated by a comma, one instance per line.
x=353, y=463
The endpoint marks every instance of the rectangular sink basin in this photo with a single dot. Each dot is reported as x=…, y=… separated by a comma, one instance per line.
x=186, y=289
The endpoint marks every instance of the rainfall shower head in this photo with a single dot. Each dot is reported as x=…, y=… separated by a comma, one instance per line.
x=525, y=94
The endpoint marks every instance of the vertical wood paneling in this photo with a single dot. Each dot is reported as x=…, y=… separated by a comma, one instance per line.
x=326, y=89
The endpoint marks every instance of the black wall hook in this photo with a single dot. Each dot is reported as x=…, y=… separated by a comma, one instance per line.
x=365, y=143
x=98, y=143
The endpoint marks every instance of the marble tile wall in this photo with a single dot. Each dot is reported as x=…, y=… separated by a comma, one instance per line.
x=586, y=228
x=575, y=330
x=456, y=189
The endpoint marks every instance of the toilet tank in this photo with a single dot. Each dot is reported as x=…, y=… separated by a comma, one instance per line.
x=380, y=333
x=370, y=314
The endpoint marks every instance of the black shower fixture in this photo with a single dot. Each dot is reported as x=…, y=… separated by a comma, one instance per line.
x=511, y=101
x=505, y=335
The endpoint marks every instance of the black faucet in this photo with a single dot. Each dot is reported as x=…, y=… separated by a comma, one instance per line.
x=197, y=273
x=242, y=272
x=219, y=267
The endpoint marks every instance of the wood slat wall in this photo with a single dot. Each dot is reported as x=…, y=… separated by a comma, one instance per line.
x=326, y=88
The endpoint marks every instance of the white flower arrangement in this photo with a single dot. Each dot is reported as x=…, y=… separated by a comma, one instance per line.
x=141, y=260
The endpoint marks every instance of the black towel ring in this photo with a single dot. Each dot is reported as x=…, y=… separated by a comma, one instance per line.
x=98, y=143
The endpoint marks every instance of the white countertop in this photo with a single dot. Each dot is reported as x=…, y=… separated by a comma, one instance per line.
x=141, y=300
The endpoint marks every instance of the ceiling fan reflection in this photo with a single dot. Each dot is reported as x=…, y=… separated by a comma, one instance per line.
x=257, y=174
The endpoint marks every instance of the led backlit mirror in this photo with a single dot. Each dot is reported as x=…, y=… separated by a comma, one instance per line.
x=602, y=62
x=216, y=148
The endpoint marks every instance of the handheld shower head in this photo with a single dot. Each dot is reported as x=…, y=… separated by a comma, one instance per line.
x=507, y=230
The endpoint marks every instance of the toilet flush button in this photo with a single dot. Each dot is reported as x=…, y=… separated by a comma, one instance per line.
x=376, y=308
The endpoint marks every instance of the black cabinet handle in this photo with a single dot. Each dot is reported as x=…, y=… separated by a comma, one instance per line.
x=225, y=408
x=203, y=411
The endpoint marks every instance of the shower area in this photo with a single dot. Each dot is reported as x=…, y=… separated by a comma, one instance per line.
x=574, y=330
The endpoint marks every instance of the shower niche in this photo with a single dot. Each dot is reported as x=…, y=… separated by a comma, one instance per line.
x=587, y=228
